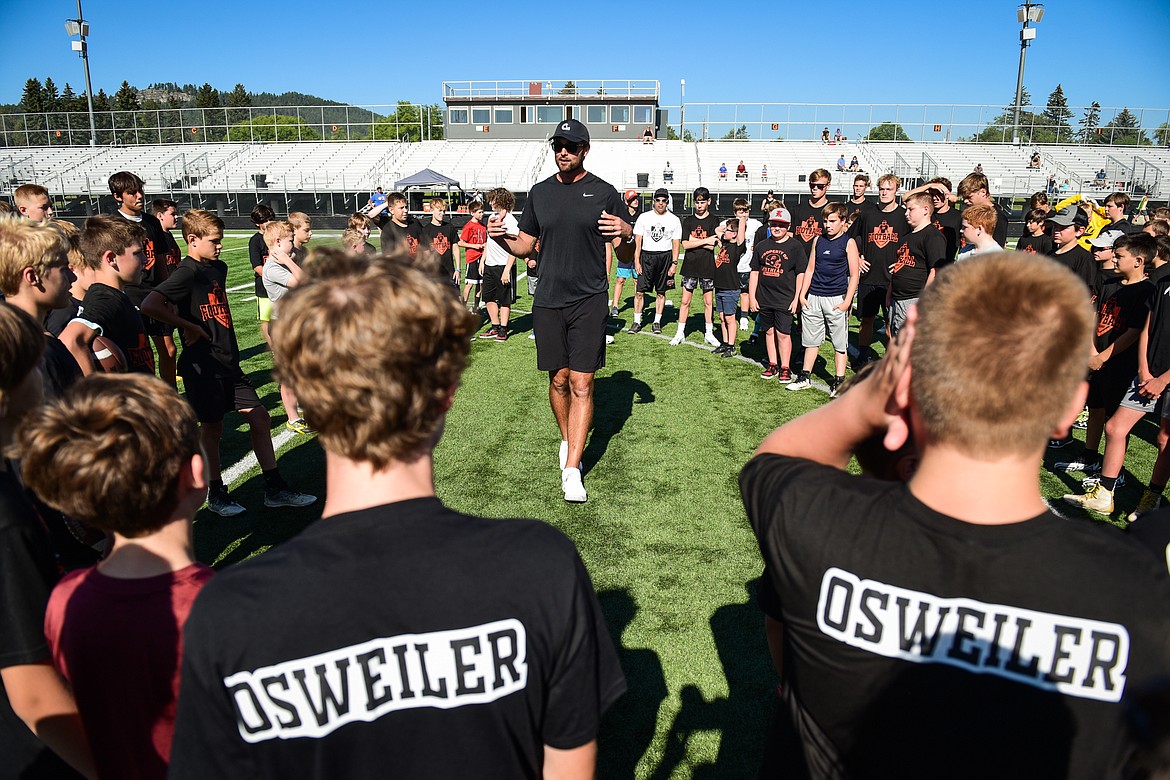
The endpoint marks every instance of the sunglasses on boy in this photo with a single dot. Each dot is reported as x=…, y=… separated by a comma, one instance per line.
x=568, y=146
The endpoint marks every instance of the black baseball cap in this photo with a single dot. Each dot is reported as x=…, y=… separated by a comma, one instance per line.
x=662, y=192
x=702, y=193
x=573, y=131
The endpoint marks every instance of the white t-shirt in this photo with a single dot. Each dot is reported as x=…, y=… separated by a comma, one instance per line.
x=494, y=254
x=658, y=232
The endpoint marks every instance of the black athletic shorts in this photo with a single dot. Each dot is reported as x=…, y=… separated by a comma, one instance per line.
x=495, y=291
x=573, y=336
x=155, y=327
x=212, y=396
x=870, y=299
x=471, y=275
x=780, y=319
x=1107, y=388
x=655, y=272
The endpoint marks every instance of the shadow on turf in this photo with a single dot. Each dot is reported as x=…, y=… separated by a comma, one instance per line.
x=614, y=397
x=742, y=717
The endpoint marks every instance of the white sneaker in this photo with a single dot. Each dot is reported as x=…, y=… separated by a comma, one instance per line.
x=608, y=339
x=573, y=486
x=710, y=339
x=678, y=339
x=564, y=454
x=532, y=336
x=669, y=302
x=744, y=324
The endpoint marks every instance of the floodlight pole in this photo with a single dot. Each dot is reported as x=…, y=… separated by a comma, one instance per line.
x=80, y=28
x=1028, y=12
x=682, y=108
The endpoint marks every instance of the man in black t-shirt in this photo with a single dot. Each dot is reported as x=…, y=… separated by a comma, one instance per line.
x=442, y=238
x=446, y=646
x=127, y=189
x=958, y=592
x=574, y=214
x=807, y=221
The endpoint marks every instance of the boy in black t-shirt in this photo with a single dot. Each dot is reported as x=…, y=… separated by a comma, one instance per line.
x=442, y=238
x=1142, y=394
x=1035, y=240
x=257, y=254
x=917, y=257
x=698, y=267
x=400, y=229
x=210, y=363
x=1068, y=225
x=778, y=266
x=1122, y=307
x=731, y=248
x=807, y=220
x=127, y=189
x=893, y=601
x=878, y=232
x=493, y=628
x=947, y=219
x=112, y=247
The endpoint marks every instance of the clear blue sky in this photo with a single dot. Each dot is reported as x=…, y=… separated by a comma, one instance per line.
x=849, y=51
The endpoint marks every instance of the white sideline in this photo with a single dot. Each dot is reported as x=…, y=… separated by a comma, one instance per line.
x=237, y=470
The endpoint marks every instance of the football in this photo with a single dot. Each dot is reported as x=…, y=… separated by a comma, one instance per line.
x=107, y=355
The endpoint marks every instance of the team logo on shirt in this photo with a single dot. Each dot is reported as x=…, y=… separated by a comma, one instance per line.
x=1073, y=655
x=905, y=259
x=314, y=696
x=173, y=258
x=412, y=245
x=722, y=258
x=440, y=244
x=1109, y=316
x=142, y=355
x=883, y=235
x=148, y=249
x=1029, y=250
x=771, y=262
x=698, y=231
x=657, y=232
x=216, y=307
x=808, y=230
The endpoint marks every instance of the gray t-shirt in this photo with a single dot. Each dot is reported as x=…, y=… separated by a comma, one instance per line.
x=277, y=280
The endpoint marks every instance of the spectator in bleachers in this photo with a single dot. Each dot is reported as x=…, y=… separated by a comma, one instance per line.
x=978, y=169
x=32, y=201
x=377, y=198
x=741, y=171
x=841, y=162
x=1099, y=179
x=854, y=165
x=647, y=135
x=764, y=173
x=825, y=135
x=1064, y=187
x=1051, y=188
x=1034, y=162
x=837, y=136
x=667, y=172
x=722, y=170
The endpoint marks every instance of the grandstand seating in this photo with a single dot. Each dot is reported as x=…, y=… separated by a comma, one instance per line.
x=356, y=166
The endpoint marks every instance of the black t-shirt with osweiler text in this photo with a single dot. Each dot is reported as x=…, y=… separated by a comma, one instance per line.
x=879, y=234
x=198, y=291
x=1005, y=649
x=120, y=322
x=699, y=262
x=917, y=256
x=447, y=646
x=726, y=275
x=572, y=248
x=441, y=239
x=778, y=264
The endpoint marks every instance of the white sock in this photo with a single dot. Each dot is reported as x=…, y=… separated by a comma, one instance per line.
x=681, y=328
x=638, y=318
x=710, y=328
x=658, y=318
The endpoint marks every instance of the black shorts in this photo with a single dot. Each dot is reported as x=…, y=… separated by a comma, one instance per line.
x=212, y=396
x=870, y=299
x=494, y=290
x=780, y=319
x=471, y=276
x=154, y=327
x=573, y=336
x=745, y=281
x=655, y=272
x=1107, y=388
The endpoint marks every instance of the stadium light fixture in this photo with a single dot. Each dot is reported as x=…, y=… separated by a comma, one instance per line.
x=80, y=28
x=1028, y=13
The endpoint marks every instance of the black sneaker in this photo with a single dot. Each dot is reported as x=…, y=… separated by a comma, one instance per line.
x=220, y=502
x=490, y=333
x=613, y=311
x=1056, y=444
x=635, y=328
x=656, y=328
x=285, y=496
x=752, y=339
x=834, y=386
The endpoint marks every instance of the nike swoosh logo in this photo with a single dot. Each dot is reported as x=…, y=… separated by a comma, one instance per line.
x=587, y=195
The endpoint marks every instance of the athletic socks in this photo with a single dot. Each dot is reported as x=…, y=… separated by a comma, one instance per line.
x=1157, y=489
x=658, y=319
x=638, y=318
x=710, y=329
x=1109, y=483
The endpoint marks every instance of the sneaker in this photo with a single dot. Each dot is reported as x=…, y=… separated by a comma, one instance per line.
x=532, y=336
x=220, y=502
x=771, y=372
x=1150, y=501
x=1088, y=482
x=490, y=333
x=678, y=339
x=286, y=496
x=635, y=328
x=1056, y=444
x=802, y=382
x=1082, y=421
x=710, y=339
x=1088, y=466
x=752, y=339
x=834, y=386
x=785, y=376
x=744, y=324
x=608, y=339
x=564, y=453
x=298, y=426
x=502, y=334
x=613, y=311
x=1098, y=499
x=573, y=486
x=728, y=350
x=656, y=329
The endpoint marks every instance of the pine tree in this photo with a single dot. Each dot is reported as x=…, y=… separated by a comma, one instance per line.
x=1124, y=130
x=1089, y=124
x=101, y=101
x=51, y=97
x=126, y=98
x=68, y=99
x=1025, y=101
x=32, y=101
x=1057, y=117
x=207, y=97
x=239, y=97
x=569, y=89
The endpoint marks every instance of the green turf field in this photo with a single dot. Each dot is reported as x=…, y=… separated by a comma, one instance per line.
x=663, y=533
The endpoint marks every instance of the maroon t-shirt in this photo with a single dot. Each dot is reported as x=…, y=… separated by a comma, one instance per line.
x=119, y=644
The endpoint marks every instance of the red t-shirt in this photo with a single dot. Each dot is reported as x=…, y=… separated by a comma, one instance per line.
x=119, y=644
x=474, y=233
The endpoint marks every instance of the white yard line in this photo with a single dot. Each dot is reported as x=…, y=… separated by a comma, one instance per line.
x=237, y=470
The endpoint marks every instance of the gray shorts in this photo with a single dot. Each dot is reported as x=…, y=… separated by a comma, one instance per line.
x=1139, y=403
x=531, y=284
x=689, y=284
x=821, y=315
x=898, y=310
